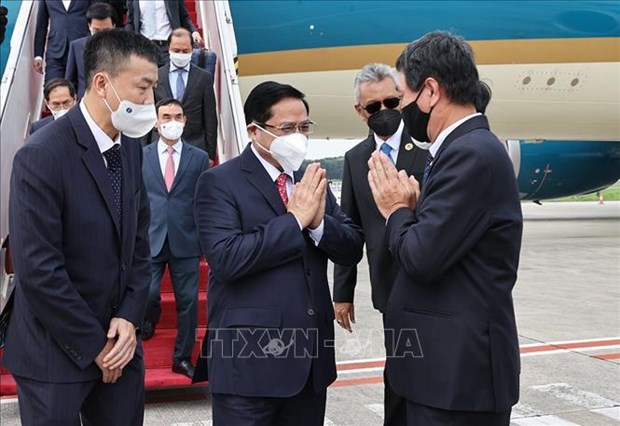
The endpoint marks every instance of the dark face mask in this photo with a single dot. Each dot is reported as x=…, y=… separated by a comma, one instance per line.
x=385, y=122
x=417, y=121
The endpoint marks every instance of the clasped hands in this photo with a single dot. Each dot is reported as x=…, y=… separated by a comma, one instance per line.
x=307, y=201
x=118, y=351
x=390, y=188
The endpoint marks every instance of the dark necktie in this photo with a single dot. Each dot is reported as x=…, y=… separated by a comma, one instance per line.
x=180, y=84
x=427, y=168
x=281, y=184
x=115, y=172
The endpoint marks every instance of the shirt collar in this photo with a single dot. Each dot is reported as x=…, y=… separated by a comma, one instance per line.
x=394, y=140
x=103, y=140
x=174, y=68
x=162, y=147
x=270, y=168
x=434, y=149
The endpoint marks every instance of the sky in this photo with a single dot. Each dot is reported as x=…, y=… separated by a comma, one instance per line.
x=324, y=148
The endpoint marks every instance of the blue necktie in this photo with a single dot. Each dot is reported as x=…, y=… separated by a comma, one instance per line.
x=180, y=84
x=115, y=172
x=386, y=149
x=427, y=168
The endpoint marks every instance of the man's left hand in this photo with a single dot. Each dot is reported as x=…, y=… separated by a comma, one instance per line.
x=391, y=189
x=124, y=332
x=196, y=37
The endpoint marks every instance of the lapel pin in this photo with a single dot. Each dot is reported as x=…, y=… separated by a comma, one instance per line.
x=409, y=146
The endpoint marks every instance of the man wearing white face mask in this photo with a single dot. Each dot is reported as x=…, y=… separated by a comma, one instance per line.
x=267, y=233
x=59, y=95
x=193, y=87
x=171, y=169
x=79, y=219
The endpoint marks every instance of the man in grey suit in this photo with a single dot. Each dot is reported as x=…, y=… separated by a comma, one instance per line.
x=193, y=87
x=378, y=104
x=171, y=170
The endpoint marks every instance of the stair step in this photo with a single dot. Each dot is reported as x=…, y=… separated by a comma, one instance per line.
x=158, y=350
x=168, y=318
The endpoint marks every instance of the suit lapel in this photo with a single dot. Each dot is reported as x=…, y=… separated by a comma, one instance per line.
x=152, y=156
x=192, y=80
x=126, y=194
x=164, y=80
x=260, y=179
x=186, y=156
x=408, y=157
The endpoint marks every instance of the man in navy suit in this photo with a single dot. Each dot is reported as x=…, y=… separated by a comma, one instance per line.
x=59, y=22
x=59, y=96
x=450, y=318
x=171, y=170
x=267, y=234
x=78, y=219
x=156, y=19
x=378, y=105
x=100, y=16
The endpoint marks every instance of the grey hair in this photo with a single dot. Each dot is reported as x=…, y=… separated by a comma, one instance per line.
x=372, y=73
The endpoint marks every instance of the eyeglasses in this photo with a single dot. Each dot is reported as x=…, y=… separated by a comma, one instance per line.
x=374, y=107
x=307, y=127
x=53, y=106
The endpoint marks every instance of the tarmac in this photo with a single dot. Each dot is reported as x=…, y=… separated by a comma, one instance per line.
x=567, y=302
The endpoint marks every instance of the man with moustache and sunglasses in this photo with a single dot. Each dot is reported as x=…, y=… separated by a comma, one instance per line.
x=378, y=104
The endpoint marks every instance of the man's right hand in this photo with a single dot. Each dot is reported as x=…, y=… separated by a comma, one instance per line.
x=109, y=375
x=307, y=195
x=345, y=315
x=38, y=65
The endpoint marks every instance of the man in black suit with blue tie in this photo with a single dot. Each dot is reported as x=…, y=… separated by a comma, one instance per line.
x=78, y=219
x=100, y=16
x=59, y=22
x=450, y=318
x=171, y=170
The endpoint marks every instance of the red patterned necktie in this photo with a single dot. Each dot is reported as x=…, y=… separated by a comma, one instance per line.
x=281, y=184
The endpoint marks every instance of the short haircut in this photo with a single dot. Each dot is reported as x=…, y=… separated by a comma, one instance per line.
x=100, y=11
x=111, y=50
x=373, y=73
x=55, y=83
x=166, y=102
x=257, y=107
x=180, y=32
x=448, y=59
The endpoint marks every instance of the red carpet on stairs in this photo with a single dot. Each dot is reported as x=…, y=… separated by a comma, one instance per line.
x=158, y=350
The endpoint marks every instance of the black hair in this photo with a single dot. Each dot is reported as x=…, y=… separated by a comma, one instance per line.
x=448, y=59
x=55, y=83
x=180, y=32
x=257, y=107
x=100, y=11
x=166, y=102
x=111, y=50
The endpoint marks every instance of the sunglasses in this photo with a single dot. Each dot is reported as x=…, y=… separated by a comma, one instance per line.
x=375, y=107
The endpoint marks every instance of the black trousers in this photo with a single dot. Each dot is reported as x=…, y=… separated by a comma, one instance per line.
x=394, y=406
x=422, y=415
x=98, y=403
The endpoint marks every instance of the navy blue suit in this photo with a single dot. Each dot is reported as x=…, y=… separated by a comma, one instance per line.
x=75, y=271
x=56, y=28
x=74, y=72
x=450, y=316
x=174, y=240
x=266, y=275
x=39, y=124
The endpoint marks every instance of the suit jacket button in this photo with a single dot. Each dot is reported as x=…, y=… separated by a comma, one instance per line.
x=122, y=266
x=311, y=312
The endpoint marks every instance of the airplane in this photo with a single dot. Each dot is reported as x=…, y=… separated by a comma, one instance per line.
x=553, y=67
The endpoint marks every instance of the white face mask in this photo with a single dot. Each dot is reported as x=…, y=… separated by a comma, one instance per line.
x=131, y=119
x=288, y=150
x=422, y=145
x=180, y=60
x=171, y=130
x=59, y=113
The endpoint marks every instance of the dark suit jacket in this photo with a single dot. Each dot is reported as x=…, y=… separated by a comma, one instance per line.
x=74, y=269
x=357, y=202
x=451, y=302
x=199, y=105
x=39, y=124
x=75, y=66
x=64, y=26
x=266, y=273
x=177, y=15
x=172, y=214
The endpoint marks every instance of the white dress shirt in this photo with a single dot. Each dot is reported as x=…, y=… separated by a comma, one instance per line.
x=66, y=4
x=315, y=234
x=162, y=152
x=173, y=75
x=103, y=140
x=162, y=26
x=393, y=141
